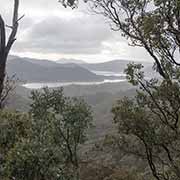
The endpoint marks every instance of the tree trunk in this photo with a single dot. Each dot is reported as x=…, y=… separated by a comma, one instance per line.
x=2, y=77
x=5, y=47
x=2, y=57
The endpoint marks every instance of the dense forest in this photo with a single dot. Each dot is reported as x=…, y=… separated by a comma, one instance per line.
x=124, y=131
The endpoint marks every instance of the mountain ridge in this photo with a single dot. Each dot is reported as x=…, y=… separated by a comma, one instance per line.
x=32, y=70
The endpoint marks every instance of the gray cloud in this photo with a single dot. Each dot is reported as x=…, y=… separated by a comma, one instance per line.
x=51, y=30
x=74, y=36
x=68, y=32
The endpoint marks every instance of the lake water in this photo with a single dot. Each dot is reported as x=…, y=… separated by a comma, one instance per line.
x=109, y=73
x=60, y=84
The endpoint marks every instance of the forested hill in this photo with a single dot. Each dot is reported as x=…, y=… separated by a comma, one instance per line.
x=47, y=71
x=113, y=66
x=33, y=70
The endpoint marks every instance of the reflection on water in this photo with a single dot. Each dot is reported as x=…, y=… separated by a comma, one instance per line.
x=109, y=73
x=60, y=84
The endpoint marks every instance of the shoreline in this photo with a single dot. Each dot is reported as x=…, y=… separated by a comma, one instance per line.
x=39, y=85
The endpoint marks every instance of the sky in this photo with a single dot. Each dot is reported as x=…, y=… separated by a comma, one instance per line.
x=50, y=31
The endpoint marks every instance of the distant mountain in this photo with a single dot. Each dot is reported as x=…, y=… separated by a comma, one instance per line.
x=49, y=63
x=117, y=66
x=112, y=66
x=69, y=61
x=32, y=70
x=41, y=62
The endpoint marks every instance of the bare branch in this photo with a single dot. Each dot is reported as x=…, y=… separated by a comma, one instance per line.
x=12, y=37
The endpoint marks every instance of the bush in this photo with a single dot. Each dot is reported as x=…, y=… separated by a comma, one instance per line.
x=44, y=143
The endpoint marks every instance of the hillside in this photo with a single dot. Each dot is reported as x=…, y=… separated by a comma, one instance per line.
x=114, y=66
x=100, y=97
x=32, y=70
x=69, y=61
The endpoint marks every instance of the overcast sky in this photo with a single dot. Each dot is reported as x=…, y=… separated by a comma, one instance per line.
x=51, y=31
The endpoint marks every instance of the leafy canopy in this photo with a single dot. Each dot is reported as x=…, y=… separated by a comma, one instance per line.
x=44, y=144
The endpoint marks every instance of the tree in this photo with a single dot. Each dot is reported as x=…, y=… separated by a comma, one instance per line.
x=149, y=126
x=14, y=127
x=151, y=24
x=10, y=83
x=58, y=126
x=70, y=3
x=5, y=46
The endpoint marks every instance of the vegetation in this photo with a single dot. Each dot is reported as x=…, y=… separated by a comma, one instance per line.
x=149, y=124
x=5, y=47
x=153, y=25
x=44, y=143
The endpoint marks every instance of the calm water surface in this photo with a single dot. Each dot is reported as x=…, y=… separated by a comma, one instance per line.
x=60, y=84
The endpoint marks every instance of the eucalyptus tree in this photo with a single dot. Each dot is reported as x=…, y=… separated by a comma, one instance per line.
x=151, y=24
x=149, y=124
x=6, y=44
x=48, y=148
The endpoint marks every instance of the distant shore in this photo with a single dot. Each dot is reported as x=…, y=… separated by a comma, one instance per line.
x=61, y=84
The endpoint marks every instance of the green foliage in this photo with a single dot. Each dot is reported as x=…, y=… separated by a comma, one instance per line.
x=149, y=125
x=47, y=146
x=134, y=73
x=151, y=24
x=14, y=128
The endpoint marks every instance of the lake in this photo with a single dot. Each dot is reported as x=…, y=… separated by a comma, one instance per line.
x=60, y=84
x=109, y=73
